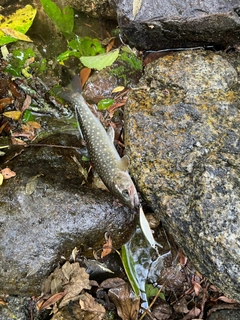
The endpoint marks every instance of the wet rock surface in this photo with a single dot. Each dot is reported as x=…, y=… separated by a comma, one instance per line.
x=155, y=25
x=46, y=212
x=182, y=134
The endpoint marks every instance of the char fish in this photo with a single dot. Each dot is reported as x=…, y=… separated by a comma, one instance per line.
x=106, y=161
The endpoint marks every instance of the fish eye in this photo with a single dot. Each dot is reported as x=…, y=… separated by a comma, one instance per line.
x=125, y=193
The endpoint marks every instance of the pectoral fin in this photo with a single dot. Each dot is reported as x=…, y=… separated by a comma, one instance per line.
x=123, y=163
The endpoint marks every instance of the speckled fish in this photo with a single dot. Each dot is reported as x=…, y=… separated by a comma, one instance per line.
x=106, y=161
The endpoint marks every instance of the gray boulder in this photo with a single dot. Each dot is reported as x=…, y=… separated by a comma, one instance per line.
x=45, y=212
x=160, y=24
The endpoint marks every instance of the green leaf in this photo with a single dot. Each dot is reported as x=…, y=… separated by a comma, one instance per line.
x=82, y=47
x=128, y=265
x=63, y=19
x=28, y=116
x=100, y=61
x=20, y=21
x=151, y=291
x=105, y=103
x=86, y=46
x=84, y=158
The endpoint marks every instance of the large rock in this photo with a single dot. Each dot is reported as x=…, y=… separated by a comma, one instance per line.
x=183, y=137
x=160, y=24
x=45, y=212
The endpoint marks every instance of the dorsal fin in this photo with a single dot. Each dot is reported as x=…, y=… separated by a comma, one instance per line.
x=123, y=163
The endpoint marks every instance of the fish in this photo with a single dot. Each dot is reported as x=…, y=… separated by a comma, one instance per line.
x=111, y=168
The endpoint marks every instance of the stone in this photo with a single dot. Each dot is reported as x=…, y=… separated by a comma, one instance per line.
x=182, y=129
x=46, y=211
x=161, y=24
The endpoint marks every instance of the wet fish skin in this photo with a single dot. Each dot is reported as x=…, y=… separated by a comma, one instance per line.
x=110, y=167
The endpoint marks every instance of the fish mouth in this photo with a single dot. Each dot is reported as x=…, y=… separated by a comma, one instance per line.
x=135, y=201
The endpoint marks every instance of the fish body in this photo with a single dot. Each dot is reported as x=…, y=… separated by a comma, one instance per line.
x=110, y=167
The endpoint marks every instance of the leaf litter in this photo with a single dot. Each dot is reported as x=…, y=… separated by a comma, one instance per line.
x=186, y=294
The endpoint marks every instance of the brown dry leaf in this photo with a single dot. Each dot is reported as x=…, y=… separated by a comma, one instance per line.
x=107, y=247
x=126, y=301
x=196, y=287
x=27, y=132
x=112, y=283
x=88, y=303
x=15, y=115
x=225, y=299
x=78, y=279
x=3, y=303
x=26, y=103
x=3, y=126
x=4, y=102
x=8, y=173
x=161, y=310
x=110, y=45
x=182, y=258
x=53, y=299
x=34, y=124
x=84, y=75
x=115, y=106
x=192, y=314
x=16, y=141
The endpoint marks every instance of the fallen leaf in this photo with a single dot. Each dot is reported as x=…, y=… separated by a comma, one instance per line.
x=112, y=283
x=16, y=34
x=34, y=124
x=84, y=75
x=4, y=102
x=182, y=258
x=88, y=303
x=15, y=115
x=1, y=179
x=196, y=287
x=192, y=314
x=3, y=303
x=107, y=247
x=225, y=299
x=110, y=45
x=118, y=89
x=126, y=301
x=26, y=103
x=53, y=299
x=78, y=280
x=8, y=173
x=16, y=141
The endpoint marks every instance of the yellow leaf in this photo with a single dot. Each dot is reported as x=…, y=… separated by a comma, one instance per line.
x=1, y=179
x=16, y=34
x=118, y=89
x=20, y=21
x=15, y=115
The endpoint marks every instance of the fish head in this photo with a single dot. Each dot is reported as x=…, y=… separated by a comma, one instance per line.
x=125, y=190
